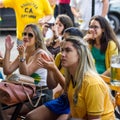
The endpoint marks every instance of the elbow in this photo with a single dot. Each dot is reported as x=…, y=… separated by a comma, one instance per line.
x=7, y=72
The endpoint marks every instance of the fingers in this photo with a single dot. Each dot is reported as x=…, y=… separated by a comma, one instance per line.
x=40, y=63
x=8, y=39
x=45, y=56
x=21, y=49
x=91, y=34
x=42, y=21
x=8, y=42
x=51, y=58
x=49, y=65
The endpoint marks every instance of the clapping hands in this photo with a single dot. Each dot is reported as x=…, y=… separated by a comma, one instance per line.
x=21, y=49
x=9, y=43
x=44, y=62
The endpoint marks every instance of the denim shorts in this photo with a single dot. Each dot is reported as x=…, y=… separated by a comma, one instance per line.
x=59, y=106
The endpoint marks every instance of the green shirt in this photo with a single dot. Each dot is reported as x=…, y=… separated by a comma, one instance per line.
x=99, y=60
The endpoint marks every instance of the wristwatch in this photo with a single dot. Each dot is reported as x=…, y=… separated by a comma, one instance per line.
x=22, y=59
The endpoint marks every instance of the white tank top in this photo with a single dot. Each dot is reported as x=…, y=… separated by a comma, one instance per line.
x=40, y=74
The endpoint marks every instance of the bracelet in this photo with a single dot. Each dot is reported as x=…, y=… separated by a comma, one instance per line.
x=22, y=59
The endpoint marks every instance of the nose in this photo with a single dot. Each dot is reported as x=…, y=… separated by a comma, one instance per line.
x=63, y=53
x=26, y=36
x=57, y=26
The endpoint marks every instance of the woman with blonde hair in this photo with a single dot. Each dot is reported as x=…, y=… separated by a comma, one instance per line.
x=89, y=96
x=32, y=49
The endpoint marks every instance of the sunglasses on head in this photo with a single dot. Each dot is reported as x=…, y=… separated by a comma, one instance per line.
x=30, y=35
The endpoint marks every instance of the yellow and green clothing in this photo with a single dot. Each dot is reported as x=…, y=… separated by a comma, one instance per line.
x=28, y=11
x=93, y=99
x=111, y=50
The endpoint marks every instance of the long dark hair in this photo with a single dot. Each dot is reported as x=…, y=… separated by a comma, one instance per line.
x=65, y=20
x=107, y=35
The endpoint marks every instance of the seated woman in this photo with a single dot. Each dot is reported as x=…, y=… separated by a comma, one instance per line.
x=89, y=96
x=30, y=51
x=103, y=43
x=69, y=31
x=59, y=107
x=61, y=23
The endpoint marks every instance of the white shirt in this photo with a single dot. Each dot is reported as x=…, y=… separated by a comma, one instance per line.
x=85, y=8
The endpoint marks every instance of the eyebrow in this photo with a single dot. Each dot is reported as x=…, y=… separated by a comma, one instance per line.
x=66, y=48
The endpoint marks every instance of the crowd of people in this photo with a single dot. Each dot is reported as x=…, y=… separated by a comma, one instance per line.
x=69, y=62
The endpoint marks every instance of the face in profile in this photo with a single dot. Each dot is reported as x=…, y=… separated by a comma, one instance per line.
x=69, y=55
x=59, y=27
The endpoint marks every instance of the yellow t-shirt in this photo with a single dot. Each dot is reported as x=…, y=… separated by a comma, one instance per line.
x=28, y=11
x=58, y=63
x=93, y=99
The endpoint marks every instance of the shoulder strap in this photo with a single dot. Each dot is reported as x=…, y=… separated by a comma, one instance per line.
x=39, y=51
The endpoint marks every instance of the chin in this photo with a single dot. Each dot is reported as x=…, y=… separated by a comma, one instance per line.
x=27, y=44
x=65, y=65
